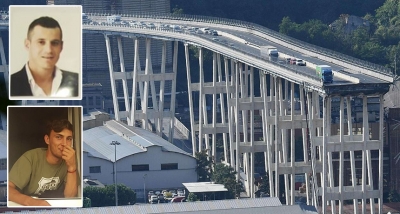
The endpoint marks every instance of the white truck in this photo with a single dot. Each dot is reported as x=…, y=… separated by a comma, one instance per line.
x=268, y=51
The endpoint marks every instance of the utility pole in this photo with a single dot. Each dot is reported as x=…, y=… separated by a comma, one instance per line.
x=115, y=143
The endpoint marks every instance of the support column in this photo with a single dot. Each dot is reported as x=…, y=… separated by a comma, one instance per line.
x=292, y=144
x=341, y=155
x=149, y=71
x=201, y=83
x=222, y=103
x=237, y=131
x=364, y=168
x=381, y=120
x=277, y=139
x=191, y=105
x=329, y=153
x=160, y=118
x=112, y=79
x=324, y=158
x=214, y=108
x=136, y=71
x=124, y=83
x=266, y=131
x=252, y=189
x=173, y=91
x=352, y=157
x=230, y=80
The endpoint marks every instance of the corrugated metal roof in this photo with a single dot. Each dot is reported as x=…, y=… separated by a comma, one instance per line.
x=99, y=139
x=3, y=144
x=132, y=140
x=243, y=206
x=204, y=187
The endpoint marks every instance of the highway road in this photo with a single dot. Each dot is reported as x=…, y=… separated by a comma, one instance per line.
x=235, y=41
x=243, y=44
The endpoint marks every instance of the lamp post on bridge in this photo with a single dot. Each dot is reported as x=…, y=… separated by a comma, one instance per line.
x=115, y=143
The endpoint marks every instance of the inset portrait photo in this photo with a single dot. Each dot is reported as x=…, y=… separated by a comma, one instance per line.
x=44, y=156
x=45, y=52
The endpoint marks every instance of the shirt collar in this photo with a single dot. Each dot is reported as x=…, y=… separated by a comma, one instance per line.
x=36, y=90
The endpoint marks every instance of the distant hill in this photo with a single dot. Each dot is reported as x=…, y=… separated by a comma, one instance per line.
x=269, y=13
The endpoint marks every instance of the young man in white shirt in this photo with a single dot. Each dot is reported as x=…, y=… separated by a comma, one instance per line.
x=40, y=77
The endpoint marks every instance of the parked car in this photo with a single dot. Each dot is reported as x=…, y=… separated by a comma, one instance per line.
x=150, y=25
x=293, y=61
x=180, y=192
x=300, y=62
x=153, y=199
x=161, y=198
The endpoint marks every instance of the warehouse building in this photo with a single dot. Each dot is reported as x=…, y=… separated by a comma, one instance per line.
x=143, y=159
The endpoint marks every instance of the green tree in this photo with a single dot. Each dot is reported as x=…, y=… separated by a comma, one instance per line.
x=102, y=197
x=226, y=175
x=192, y=197
x=177, y=11
x=87, y=202
x=286, y=26
x=203, y=167
x=263, y=186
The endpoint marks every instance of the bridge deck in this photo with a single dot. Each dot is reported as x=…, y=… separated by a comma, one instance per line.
x=346, y=80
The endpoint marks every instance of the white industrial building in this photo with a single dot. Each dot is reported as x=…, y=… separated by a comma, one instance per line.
x=144, y=160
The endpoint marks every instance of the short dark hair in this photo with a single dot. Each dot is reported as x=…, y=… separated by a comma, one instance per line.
x=58, y=126
x=46, y=22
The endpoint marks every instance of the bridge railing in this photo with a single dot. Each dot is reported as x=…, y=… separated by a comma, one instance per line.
x=238, y=23
x=294, y=70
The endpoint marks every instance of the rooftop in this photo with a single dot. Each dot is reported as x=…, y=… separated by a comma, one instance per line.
x=132, y=140
x=204, y=187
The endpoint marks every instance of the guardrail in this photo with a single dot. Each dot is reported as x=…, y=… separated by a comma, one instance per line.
x=251, y=26
x=188, y=36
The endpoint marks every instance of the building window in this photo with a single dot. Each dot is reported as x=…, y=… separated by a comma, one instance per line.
x=95, y=169
x=3, y=164
x=140, y=167
x=169, y=166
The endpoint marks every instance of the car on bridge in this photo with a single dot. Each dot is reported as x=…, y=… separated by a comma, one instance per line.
x=150, y=25
x=300, y=62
